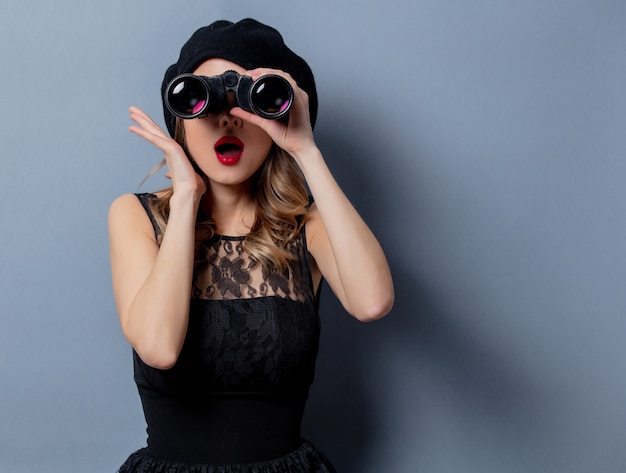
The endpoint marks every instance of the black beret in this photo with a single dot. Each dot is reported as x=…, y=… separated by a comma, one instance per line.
x=247, y=43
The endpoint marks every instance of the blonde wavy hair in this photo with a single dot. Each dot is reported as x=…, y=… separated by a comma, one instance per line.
x=281, y=201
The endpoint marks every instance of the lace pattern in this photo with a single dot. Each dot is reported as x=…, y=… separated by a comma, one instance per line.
x=228, y=272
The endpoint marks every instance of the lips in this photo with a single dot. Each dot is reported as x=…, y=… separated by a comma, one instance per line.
x=228, y=150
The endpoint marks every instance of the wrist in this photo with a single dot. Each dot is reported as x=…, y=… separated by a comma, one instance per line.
x=307, y=156
x=184, y=199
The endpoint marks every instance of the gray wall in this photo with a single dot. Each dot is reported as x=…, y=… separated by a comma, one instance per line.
x=483, y=141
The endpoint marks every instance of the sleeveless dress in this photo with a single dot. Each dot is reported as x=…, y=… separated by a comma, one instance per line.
x=234, y=400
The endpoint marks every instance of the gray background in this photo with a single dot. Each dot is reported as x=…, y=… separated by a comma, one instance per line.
x=484, y=141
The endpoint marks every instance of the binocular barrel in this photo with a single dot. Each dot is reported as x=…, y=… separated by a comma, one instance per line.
x=190, y=96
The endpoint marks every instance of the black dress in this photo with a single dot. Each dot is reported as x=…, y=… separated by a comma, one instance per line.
x=233, y=403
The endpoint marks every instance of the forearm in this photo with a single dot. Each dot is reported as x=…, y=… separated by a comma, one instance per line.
x=157, y=319
x=361, y=265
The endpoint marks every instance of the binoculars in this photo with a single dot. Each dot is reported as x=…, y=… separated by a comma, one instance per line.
x=190, y=96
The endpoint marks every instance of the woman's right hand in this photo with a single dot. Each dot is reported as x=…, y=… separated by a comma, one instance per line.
x=152, y=281
x=179, y=168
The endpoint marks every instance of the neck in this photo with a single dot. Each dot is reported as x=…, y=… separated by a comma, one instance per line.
x=231, y=208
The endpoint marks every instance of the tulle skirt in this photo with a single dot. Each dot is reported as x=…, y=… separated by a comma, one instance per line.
x=306, y=459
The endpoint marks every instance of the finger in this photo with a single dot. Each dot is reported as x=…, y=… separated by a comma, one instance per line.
x=165, y=144
x=249, y=117
x=146, y=134
x=137, y=112
x=144, y=120
x=146, y=123
x=261, y=71
x=271, y=127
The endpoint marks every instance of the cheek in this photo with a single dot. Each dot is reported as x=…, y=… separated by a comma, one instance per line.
x=193, y=130
x=268, y=147
x=197, y=137
x=264, y=141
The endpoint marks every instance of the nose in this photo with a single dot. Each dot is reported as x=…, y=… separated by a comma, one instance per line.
x=225, y=119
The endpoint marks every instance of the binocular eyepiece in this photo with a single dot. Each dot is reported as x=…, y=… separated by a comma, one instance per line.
x=190, y=96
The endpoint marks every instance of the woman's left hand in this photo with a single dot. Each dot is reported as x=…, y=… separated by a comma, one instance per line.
x=295, y=135
x=344, y=249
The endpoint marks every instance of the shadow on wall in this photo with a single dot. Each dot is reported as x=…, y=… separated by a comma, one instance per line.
x=341, y=417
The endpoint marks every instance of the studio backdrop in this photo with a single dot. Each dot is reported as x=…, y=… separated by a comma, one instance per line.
x=485, y=144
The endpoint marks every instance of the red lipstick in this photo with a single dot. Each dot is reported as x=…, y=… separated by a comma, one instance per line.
x=228, y=150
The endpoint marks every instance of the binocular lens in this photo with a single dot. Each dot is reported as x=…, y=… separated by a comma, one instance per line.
x=271, y=96
x=187, y=96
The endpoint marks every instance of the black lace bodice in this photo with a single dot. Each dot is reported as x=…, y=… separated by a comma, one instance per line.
x=226, y=272
x=238, y=389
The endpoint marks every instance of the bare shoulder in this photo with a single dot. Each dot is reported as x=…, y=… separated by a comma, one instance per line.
x=124, y=203
x=127, y=215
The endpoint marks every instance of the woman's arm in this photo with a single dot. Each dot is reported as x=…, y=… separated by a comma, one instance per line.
x=345, y=250
x=151, y=283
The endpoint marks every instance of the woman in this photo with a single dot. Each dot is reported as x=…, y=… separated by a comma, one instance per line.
x=216, y=279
